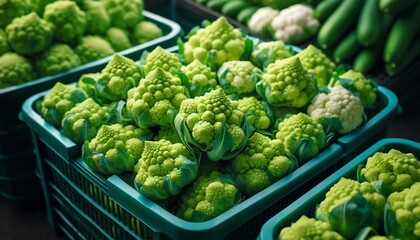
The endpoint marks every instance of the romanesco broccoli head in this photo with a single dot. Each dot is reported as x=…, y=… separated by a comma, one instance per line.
x=201, y=78
x=208, y=197
x=157, y=99
x=219, y=38
x=395, y=169
x=167, y=133
x=91, y=48
x=11, y=9
x=118, y=38
x=14, y=70
x=262, y=162
x=309, y=228
x=57, y=58
x=164, y=169
x=161, y=58
x=238, y=78
x=317, y=63
x=4, y=44
x=338, y=105
x=287, y=83
x=258, y=113
x=82, y=122
x=68, y=20
x=29, y=34
x=402, y=213
x=146, y=31
x=97, y=19
x=124, y=13
x=269, y=52
x=115, y=148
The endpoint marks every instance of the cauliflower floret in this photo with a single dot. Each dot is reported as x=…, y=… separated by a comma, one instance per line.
x=261, y=20
x=14, y=70
x=118, y=38
x=161, y=58
x=146, y=31
x=269, y=52
x=201, y=78
x=309, y=228
x=4, y=45
x=124, y=14
x=11, y=9
x=58, y=58
x=91, y=48
x=258, y=113
x=97, y=19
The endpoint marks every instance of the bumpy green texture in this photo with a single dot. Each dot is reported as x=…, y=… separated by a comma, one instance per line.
x=208, y=197
x=258, y=113
x=118, y=38
x=58, y=58
x=60, y=99
x=287, y=83
x=309, y=228
x=68, y=20
x=339, y=104
x=15, y=69
x=262, y=162
x=213, y=124
x=11, y=9
x=124, y=13
x=402, y=213
x=97, y=19
x=4, y=45
x=302, y=136
x=318, y=64
x=146, y=31
x=395, y=169
x=82, y=122
x=115, y=148
x=238, y=78
x=269, y=52
x=29, y=34
x=201, y=78
x=362, y=87
x=164, y=169
x=156, y=100
x=161, y=58
x=168, y=134
x=219, y=39
x=352, y=217
x=91, y=48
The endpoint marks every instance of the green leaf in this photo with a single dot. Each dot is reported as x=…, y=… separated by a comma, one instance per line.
x=366, y=233
x=249, y=47
x=391, y=225
x=331, y=124
x=118, y=110
x=186, y=138
x=360, y=177
x=303, y=149
x=210, y=60
x=383, y=187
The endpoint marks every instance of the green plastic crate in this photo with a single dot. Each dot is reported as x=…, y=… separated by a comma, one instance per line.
x=25, y=190
x=15, y=140
x=17, y=165
x=306, y=204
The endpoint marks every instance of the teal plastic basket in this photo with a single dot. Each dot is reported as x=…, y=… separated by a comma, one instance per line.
x=306, y=204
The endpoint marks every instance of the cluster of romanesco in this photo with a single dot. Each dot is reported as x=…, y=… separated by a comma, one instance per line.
x=55, y=36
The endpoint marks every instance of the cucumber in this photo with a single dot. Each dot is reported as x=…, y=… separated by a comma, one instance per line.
x=245, y=14
x=216, y=4
x=395, y=6
x=370, y=24
x=232, y=8
x=412, y=54
x=347, y=48
x=339, y=22
x=326, y=8
x=203, y=2
x=400, y=35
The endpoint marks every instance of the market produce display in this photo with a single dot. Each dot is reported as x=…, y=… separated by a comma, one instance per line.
x=211, y=125
x=42, y=38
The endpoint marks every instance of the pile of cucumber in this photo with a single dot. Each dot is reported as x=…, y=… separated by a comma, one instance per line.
x=367, y=33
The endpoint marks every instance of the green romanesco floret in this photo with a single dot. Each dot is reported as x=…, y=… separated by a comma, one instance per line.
x=68, y=20
x=287, y=83
x=302, y=136
x=156, y=100
x=365, y=89
x=262, y=162
x=146, y=31
x=97, y=19
x=219, y=38
x=258, y=113
x=91, y=48
x=164, y=169
x=161, y=58
x=58, y=58
x=341, y=201
x=124, y=13
x=337, y=105
x=309, y=228
x=317, y=63
x=60, y=99
x=4, y=44
x=269, y=52
x=82, y=122
x=11, y=9
x=402, y=214
x=209, y=196
x=118, y=38
x=167, y=133
x=115, y=148
x=14, y=70
x=29, y=34
x=213, y=124
x=238, y=78
x=395, y=169
x=201, y=78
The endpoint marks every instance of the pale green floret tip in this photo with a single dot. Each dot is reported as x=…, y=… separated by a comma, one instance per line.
x=29, y=34
x=58, y=58
x=161, y=58
x=309, y=228
x=91, y=48
x=118, y=38
x=207, y=198
x=124, y=13
x=269, y=52
x=146, y=31
x=97, y=19
x=4, y=45
x=15, y=69
x=201, y=78
x=257, y=114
